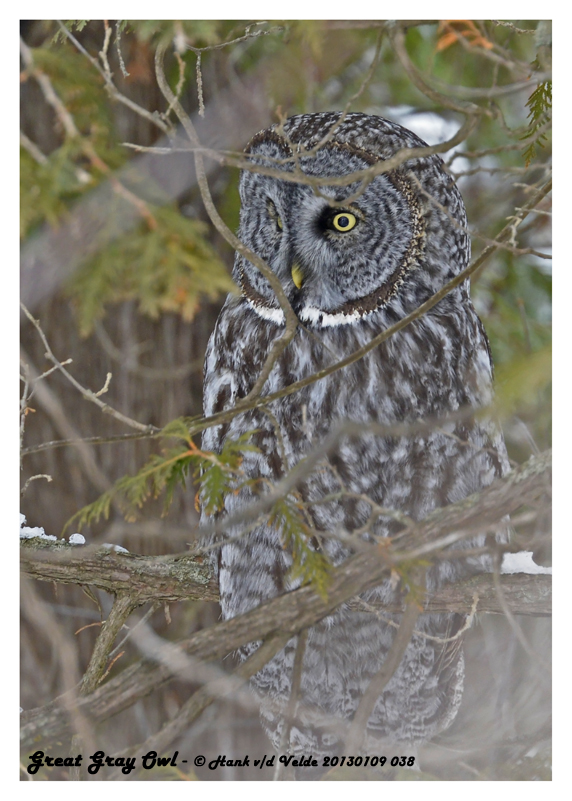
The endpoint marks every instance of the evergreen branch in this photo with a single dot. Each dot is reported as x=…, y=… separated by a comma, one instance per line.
x=539, y=104
x=309, y=564
x=72, y=132
x=163, y=473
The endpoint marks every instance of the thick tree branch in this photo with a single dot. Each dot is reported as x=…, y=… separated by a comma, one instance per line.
x=120, y=611
x=527, y=594
x=189, y=577
x=145, y=579
x=152, y=579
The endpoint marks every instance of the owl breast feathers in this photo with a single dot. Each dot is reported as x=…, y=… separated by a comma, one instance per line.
x=353, y=259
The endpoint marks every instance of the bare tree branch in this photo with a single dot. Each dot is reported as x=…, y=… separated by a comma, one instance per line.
x=147, y=579
x=152, y=579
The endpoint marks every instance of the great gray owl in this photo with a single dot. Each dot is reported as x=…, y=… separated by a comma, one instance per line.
x=351, y=270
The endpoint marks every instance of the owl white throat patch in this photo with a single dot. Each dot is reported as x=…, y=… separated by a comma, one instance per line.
x=309, y=314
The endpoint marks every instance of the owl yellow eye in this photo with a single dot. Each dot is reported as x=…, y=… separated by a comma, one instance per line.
x=344, y=221
x=279, y=222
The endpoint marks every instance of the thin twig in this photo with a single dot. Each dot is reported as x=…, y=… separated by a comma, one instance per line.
x=362, y=605
x=200, y=86
x=103, y=52
x=394, y=656
x=113, y=91
x=118, y=48
x=247, y=35
x=61, y=443
x=32, y=149
x=35, y=478
x=290, y=711
x=88, y=394
x=54, y=408
x=398, y=41
x=513, y=27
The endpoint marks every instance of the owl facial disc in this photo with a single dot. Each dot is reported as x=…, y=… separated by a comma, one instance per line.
x=345, y=251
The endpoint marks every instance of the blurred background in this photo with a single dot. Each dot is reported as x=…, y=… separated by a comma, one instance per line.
x=126, y=276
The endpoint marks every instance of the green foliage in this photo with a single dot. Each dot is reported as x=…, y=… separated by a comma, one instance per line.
x=200, y=33
x=84, y=99
x=72, y=25
x=214, y=478
x=539, y=104
x=309, y=564
x=519, y=382
x=216, y=474
x=518, y=299
x=168, y=268
x=46, y=189
x=310, y=33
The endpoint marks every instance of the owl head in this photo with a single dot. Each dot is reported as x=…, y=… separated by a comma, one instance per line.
x=346, y=252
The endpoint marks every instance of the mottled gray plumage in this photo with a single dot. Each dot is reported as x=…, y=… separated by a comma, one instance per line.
x=410, y=238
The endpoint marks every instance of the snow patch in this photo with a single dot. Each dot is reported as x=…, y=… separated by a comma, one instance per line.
x=77, y=539
x=522, y=562
x=26, y=533
x=116, y=548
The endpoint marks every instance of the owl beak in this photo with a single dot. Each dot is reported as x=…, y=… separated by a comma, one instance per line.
x=297, y=276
